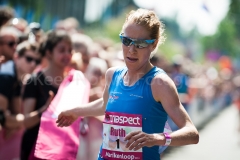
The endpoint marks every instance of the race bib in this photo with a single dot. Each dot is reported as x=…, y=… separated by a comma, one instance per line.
x=115, y=127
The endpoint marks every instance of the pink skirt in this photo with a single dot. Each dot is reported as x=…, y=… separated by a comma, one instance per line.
x=10, y=147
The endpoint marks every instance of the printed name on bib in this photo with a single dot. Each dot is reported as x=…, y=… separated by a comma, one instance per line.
x=117, y=132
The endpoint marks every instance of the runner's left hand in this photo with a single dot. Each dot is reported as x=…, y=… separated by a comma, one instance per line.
x=139, y=139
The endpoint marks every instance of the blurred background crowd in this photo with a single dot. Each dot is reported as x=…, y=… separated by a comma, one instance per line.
x=204, y=64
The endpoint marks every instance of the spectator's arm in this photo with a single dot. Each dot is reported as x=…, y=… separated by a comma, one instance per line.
x=3, y=102
x=29, y=105
x=16, y=105
x=31, y=116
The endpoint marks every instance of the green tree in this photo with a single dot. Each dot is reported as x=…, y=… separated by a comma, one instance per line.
x=234, y=15
x=226, y=39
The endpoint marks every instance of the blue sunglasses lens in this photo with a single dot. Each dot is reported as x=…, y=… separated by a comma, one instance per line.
x=126, y=41
x=138, y=43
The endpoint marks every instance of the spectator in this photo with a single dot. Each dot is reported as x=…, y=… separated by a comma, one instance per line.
x=19, y=23
x=24, y=62
x=6, y=13
x=58, y=50
x=81, y=45
x=8, y=42
x=35, y=32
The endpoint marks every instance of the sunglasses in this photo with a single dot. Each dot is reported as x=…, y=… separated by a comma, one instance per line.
x=11, y=43
x=139, y=43
x=30, y=59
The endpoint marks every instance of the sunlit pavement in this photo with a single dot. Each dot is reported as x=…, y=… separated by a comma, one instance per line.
x=219, y=140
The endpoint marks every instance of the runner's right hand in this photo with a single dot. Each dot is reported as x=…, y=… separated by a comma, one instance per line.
x=66, y=118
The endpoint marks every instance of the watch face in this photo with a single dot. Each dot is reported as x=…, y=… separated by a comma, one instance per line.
x=168, y=139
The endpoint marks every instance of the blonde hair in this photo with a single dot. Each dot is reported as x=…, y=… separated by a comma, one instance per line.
x=150, y=21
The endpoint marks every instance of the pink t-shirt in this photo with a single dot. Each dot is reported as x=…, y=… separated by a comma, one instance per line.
x=62, y=143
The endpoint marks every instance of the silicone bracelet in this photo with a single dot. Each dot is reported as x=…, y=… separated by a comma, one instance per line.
x=168, y=139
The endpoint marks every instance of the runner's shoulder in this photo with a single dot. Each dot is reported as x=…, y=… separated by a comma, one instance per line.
x=110, y=72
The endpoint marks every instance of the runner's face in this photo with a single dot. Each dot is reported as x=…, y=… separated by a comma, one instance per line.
x=135, y=57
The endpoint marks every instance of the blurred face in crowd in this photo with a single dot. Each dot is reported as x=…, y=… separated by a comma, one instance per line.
x=61, y=54
x=28, y=62
x=94, y=75
x=8, y=44
x=85, y=57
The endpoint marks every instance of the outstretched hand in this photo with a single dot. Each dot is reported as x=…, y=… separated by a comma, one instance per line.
x=66, y=118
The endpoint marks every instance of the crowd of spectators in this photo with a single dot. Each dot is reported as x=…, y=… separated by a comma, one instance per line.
x=207, y=86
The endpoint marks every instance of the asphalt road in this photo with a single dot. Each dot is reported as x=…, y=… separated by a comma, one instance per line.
x=219, y=140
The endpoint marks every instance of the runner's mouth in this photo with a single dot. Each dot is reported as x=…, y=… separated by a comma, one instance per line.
x=132, y=59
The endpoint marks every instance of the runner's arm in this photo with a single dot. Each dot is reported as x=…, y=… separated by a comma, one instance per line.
x=165, y=92
x=95, y=108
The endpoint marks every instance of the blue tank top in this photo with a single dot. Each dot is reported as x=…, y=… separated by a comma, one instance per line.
x=138, y=99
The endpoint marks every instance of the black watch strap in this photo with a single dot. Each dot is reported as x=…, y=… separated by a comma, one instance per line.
x=2, y=118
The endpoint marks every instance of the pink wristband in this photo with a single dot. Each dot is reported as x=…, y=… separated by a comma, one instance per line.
x=168, y=139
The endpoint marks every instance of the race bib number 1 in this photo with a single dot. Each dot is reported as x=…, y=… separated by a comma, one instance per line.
x=115, y=127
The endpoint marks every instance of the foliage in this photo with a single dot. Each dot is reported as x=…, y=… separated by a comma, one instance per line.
x=109, y=29
x=234, y=14
x=226, y=39
x=171, y=48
